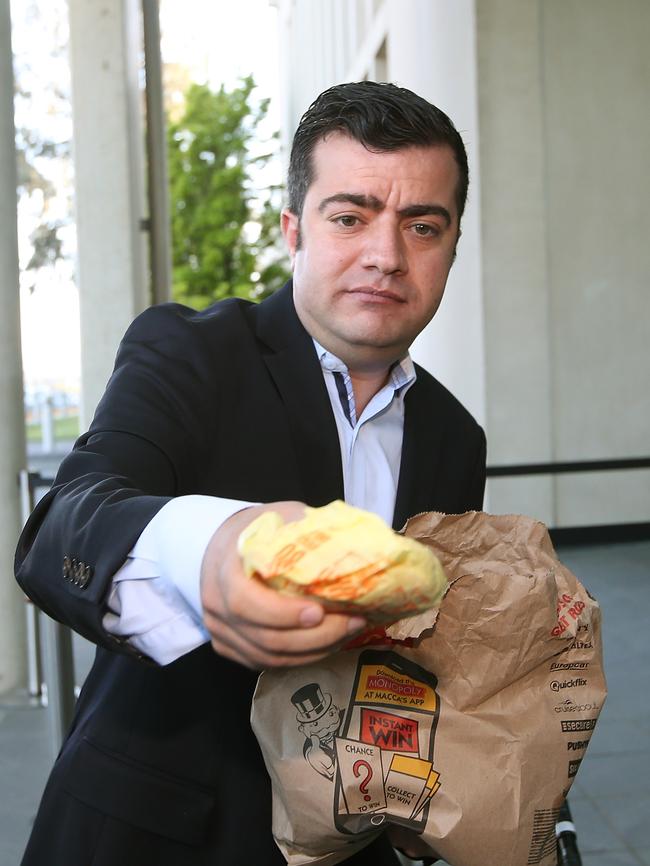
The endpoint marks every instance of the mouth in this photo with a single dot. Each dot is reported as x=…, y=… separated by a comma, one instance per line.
x=373, y=295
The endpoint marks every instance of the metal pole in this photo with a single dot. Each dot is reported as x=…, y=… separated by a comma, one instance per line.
x=47, y=425
x=158, y=194
x=54, y=653
x=34, y=673
x=59, y=679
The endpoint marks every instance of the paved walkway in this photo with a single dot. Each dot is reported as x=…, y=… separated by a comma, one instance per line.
x=610, y=799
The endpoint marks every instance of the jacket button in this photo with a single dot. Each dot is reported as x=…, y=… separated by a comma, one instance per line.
x=84, y=576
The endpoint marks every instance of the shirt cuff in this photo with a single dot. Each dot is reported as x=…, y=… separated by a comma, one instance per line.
x=173, y=543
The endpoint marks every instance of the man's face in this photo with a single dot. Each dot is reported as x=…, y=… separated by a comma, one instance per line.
x=373, y=248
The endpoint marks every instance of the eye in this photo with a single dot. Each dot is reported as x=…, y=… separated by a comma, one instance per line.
x=347, y=221
x=425, y=230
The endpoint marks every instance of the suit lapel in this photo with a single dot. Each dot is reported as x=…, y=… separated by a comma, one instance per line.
x=421, y=448
x=289, y=354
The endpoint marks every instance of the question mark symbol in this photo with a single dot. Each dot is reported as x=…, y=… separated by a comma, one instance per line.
x=363, y=787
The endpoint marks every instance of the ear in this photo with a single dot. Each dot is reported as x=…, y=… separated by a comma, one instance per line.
x=290, y=224
x=453, y=257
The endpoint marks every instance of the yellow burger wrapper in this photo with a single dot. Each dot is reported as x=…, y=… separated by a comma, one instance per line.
x=346, y=558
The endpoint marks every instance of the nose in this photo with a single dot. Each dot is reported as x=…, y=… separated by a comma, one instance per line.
x=384, y=248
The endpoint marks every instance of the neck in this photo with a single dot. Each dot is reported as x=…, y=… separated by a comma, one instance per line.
x=365, y=385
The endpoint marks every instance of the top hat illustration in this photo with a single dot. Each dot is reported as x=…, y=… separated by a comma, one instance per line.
x=310, y=702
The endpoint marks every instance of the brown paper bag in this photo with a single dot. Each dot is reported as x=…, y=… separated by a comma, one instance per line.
x=465, y=726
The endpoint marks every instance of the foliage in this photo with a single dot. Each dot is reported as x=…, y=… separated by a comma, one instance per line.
x=225, y=233
x=43, y=128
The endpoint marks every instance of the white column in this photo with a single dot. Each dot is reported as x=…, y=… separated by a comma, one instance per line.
x=108, y=157
x=12, y=429
x=157, y=175
x=286, y=93
x=432, y=50
x=340, y=39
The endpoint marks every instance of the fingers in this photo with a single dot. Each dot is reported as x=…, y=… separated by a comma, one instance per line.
x=250, y=656
x=255, y=625
x=265, y=646
x=250, y=601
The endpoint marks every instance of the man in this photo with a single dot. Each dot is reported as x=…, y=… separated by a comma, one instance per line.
x=308, y=397
x=319, y=720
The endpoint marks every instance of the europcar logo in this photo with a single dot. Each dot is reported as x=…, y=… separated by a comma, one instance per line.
x=569, y=666
x=570, y=706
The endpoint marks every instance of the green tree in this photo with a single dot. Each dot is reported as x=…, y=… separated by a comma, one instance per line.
x=225, y=236
x=43, y=119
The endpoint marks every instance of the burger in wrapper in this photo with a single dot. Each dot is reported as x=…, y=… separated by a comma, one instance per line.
x=347, y=559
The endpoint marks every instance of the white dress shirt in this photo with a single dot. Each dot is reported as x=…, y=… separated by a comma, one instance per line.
x=154, y=600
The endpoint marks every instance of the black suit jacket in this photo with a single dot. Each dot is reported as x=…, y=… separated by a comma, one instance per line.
x=228, y=402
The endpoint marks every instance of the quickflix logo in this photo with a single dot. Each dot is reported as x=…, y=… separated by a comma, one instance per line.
x=575, y=682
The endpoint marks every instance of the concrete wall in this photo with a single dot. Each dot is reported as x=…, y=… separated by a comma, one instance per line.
x=515, y=254
x=597, y=86
x=543, y=332
x=565, y=133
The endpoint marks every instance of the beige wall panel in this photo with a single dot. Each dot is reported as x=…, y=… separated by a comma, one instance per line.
x=513, y=231
x=597, y=94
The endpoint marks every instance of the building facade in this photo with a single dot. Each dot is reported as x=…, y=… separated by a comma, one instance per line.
x=543, y=332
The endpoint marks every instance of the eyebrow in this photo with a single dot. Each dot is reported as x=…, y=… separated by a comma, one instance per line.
x=371, y=202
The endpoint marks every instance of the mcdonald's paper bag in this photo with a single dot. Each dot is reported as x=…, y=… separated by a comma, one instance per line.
x=464, y=726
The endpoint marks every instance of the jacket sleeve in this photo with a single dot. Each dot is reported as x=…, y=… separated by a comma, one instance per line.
x=476, y=487
x=145, y=445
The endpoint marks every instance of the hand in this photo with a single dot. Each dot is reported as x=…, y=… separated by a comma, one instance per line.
x=319, y=759
x=411, y=844
x=253, y=624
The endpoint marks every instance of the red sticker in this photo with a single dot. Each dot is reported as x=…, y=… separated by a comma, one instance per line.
x=389, y=731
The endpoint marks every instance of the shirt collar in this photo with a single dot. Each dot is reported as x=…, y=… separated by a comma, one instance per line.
x=402, y=373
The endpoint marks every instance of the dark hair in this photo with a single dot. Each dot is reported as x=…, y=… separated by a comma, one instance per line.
x=382, y=117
